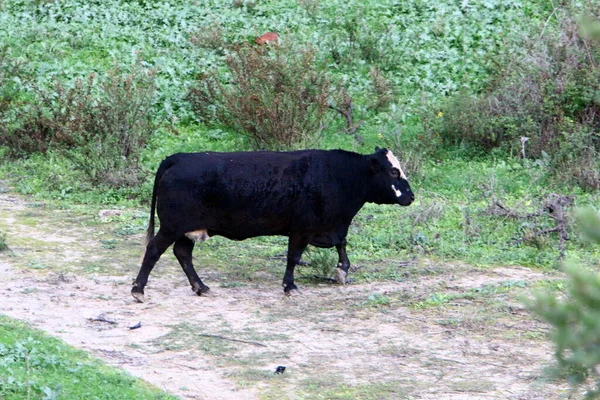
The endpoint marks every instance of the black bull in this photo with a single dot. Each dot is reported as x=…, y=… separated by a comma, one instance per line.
x=311, y=196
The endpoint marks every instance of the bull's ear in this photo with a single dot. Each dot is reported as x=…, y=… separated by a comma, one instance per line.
x=377, y=149
x=374, y=165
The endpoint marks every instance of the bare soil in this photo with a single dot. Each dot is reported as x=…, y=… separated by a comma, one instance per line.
x=377, y=340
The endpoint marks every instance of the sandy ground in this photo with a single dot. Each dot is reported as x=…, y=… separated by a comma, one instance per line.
x=333, y=340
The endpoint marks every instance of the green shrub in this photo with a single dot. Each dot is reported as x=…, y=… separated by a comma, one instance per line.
x=101, y=124
x=549, y=94
x=3, y=245
x=276, y=96
x=11, y=72
x=575, y=319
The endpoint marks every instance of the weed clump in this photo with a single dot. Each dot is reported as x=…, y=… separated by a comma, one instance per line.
x=3, y=244
x=275, y=95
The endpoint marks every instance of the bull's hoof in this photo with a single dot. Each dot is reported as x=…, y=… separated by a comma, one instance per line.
x=201, y=290
x=138, y=296
x=290, y=289
x=292, y=293
x=340, y=276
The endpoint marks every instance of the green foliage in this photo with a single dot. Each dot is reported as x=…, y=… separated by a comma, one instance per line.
x=11, y=73
x=590, y=223
x=429, y=48
x=276, y=96
x=590, y=27
x=542, y=103
x=575, y=319
x=34, y=365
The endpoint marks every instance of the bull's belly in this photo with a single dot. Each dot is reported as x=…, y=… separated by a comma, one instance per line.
x=245, y=234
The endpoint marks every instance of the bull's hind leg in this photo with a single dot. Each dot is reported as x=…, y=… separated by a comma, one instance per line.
x=183, y=251
x=343, y=263
x=296, y=246
x=155, y=248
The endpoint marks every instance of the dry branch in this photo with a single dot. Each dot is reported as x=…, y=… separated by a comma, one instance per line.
x=554, y=206
x=346, y=111
x=101, y=318
x=232, y=339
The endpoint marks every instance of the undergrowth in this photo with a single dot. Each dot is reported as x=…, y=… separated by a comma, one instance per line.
x=542, y=103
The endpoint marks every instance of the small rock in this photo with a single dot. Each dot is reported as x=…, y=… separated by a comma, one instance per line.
x=105, y=214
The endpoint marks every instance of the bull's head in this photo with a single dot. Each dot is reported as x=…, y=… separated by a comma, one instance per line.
x=391, y=185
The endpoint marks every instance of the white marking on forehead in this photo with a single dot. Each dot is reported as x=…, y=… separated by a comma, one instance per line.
x=395, y=163
x=398, y=193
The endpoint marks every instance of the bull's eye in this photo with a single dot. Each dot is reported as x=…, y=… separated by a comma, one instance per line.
x=395, y=173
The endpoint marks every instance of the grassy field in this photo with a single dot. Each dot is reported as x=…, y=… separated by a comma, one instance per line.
x=404, y=65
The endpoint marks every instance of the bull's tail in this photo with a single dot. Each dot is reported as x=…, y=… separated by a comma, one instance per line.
x=165, y=165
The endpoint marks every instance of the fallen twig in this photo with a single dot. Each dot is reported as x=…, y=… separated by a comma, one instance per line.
x=101, y=318
x=232, y=339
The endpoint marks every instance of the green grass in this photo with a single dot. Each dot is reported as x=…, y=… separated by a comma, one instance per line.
x=34, y=365
x=437, y=299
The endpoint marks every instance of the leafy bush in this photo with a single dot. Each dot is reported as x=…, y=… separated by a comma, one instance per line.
x=550, y=95
x=575, y=319
x=276, y=96
x=100, y=124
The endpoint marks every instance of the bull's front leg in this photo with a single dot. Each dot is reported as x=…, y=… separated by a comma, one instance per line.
x=341, y=272
x=296, y=246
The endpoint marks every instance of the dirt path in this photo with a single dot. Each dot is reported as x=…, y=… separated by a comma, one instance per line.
x=457, y=335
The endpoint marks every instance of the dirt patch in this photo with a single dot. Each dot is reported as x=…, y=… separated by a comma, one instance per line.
x=384, y=340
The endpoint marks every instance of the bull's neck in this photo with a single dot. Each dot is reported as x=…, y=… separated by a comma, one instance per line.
x=359, y=183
